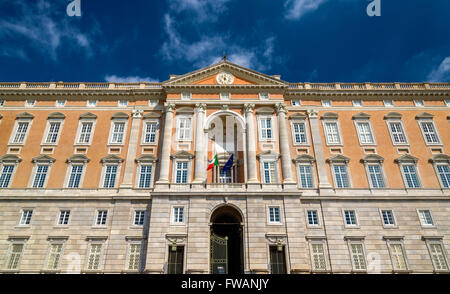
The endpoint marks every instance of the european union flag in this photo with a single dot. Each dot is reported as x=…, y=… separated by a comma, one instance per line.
x=229, y=164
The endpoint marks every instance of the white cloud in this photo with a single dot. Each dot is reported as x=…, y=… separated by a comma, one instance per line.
x=44, y=28
x=130, y=79
x=203, y=10
x=295, y=9
x=441, y=73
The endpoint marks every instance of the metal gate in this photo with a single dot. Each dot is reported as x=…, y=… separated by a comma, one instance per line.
x=219, y=254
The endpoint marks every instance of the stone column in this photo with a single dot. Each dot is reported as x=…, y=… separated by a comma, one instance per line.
x=166, y=144
x=251, y=144
x=132, y=147
x=318, y=150
x=285, y=150
x=200, y=146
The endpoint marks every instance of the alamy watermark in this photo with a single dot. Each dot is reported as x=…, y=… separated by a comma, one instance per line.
x=374, y=8
x=74, y=8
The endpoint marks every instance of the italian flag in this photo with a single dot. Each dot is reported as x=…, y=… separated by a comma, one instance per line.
x=214, y=162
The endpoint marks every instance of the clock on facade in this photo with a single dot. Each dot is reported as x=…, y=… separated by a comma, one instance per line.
x=225, y=78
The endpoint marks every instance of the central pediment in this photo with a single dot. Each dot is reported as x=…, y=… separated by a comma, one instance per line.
x=225, y=73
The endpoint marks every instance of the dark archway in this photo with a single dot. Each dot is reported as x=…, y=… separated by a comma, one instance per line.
x=226, y=221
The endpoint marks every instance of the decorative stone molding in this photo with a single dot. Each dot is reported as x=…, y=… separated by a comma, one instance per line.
x=88, y=115
x=312, y=113
x=393, y=238
x=338, y=158
x=330, y=115
x=298, y=115
x=182, y=154
x=424, y=115
x=443, y=158
x=57, y=238
x=372, y=158
x=135, y=238
x=275, y=238
x=185, y=110
x=111, y=159
x=10, y=158
x=96, y=238
x=393, y=115
x=24, y=115
x=249, y=107
x=177, y=238
x=152, y=115
x=78, y=158
x=169, y=107
x=304, y=158
x=200, y=107
x=264, y=110
x=280, y=107
x=406, y=158
x=122, y=115
x=315, y=237
x=361, y=115
x=354, y=238
x=56, y=115
x=144, y=158
x=269, y=153
x=43, y=158
x=137, y=113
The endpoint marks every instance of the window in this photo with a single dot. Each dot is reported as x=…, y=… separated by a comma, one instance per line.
x=122, y=103
x=101, y=217
x=150, y=132
x=145, y=176
x=375, y=176
x=388, y=103
x=134, y=256
x=442, y=169
x=110, y=176
x=269, y=172
x=438, y=255
x=183, y=128
x=182, y=172
x=60, y=103
x=224, y=96
x=299, y=133
x=118, y=132
x=340, y=175
x=305, y=175
x=295, y=102
x=388, y=218
x=94, y=256
x=64, y=217
x=397, y=256
x=277, y=260
x=419, y=103
x=357, y=256
x=350, y=218
x=365, y=133
x=318, y=256
x=153, y=102
x=178, y=214
x=410, y=175
x=274, y=214
x=85, y=132
x=429, y=132
x=265, y=125
x=75, y=176
x=397, y=134
x=326, y=103
x=313, y=218
x=21, y=132
x=186, y=96
x=264, y=96
x=15, y=255
x=332, y=133
x=54, y=256
x=91, y=103
x=6, y=175
x=225, y=176
x=357, y=103
x=176, y=259
x=53, y=132
x=30, y=103
x=26, y=217
x=425, y=218
x=41, y=174
x=139, y=217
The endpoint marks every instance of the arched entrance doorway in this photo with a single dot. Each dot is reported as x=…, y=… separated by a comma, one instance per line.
x=226, y=245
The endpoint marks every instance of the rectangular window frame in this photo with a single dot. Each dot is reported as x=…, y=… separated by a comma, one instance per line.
x=187, y=131
x=318, y=241
x=15, y=241
x=139, y=256
x=175, y=171
x=397, y=241
x=96, y=217
x=4, y=175
x=405, y=182
x=276, y=172
x=23, y=218
x=299, y=178
x=435, y=165
x=101, y=260
x=372, y=133
x=172, y=215
x=105, y=165
x=139, y=173
x=344, y=219
x=388, y=226
x=272, y=128
x=357, y=241
x=49, y=252
x=437, y=241
x=388, y=123
x=333, y=173
x=135, y=217
x=78, y=135
x=422, y=224
x=436, y=133
x=34, y=173
x=124, y=133
x=306, y=132
x=308, y=224
x=47, y=132
x=69, y=175
x=15, y=129
x=338, y=127
x=144, y=132
x=383, y=175
x=269, y=215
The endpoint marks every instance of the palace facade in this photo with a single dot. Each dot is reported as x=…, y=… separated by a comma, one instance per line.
x=334, y=178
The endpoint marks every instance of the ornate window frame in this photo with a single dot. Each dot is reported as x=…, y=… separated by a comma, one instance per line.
x=10, y=159
x=299, y=118
x=185, y=114
x=364, y=118
x=428, y=118
x=439, y=160
x=21, y=240
x=108, y=161
x=397, y=240
x=21, y=118
x=388, y=226
x=55, y=117
x=85, y=118
x=330, y=117
x=350, y=226
x=394, y=117
x=76, y=159
x=340, y=160
x=40, y=160
x=264, y=114
x=54, y=240
x=318, y=240
x=351, y=240
x=274, y=223
x=438, y=240
x=150, y=118
x=408, y=159
x=269, y=156
x=305, y=160
x=182, y=156
x=118, y=118
x=134, y=240
x=147, y=160
x=103, y=240
x=423, y=225
x=375, y=159
x=319, y=217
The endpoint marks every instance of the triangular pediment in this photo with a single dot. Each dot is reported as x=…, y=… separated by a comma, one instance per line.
x=238, y=75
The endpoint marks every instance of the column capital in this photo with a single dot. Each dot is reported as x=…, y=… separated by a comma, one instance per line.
x=169, y=107
x=312, y=113
x=280, y=108
x=201, y=107
x=137, y=113
x=249, y=107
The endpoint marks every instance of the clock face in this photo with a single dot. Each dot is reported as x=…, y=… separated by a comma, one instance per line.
x=225, y=78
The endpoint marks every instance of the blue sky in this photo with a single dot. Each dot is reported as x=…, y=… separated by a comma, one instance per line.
x=302, y=40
